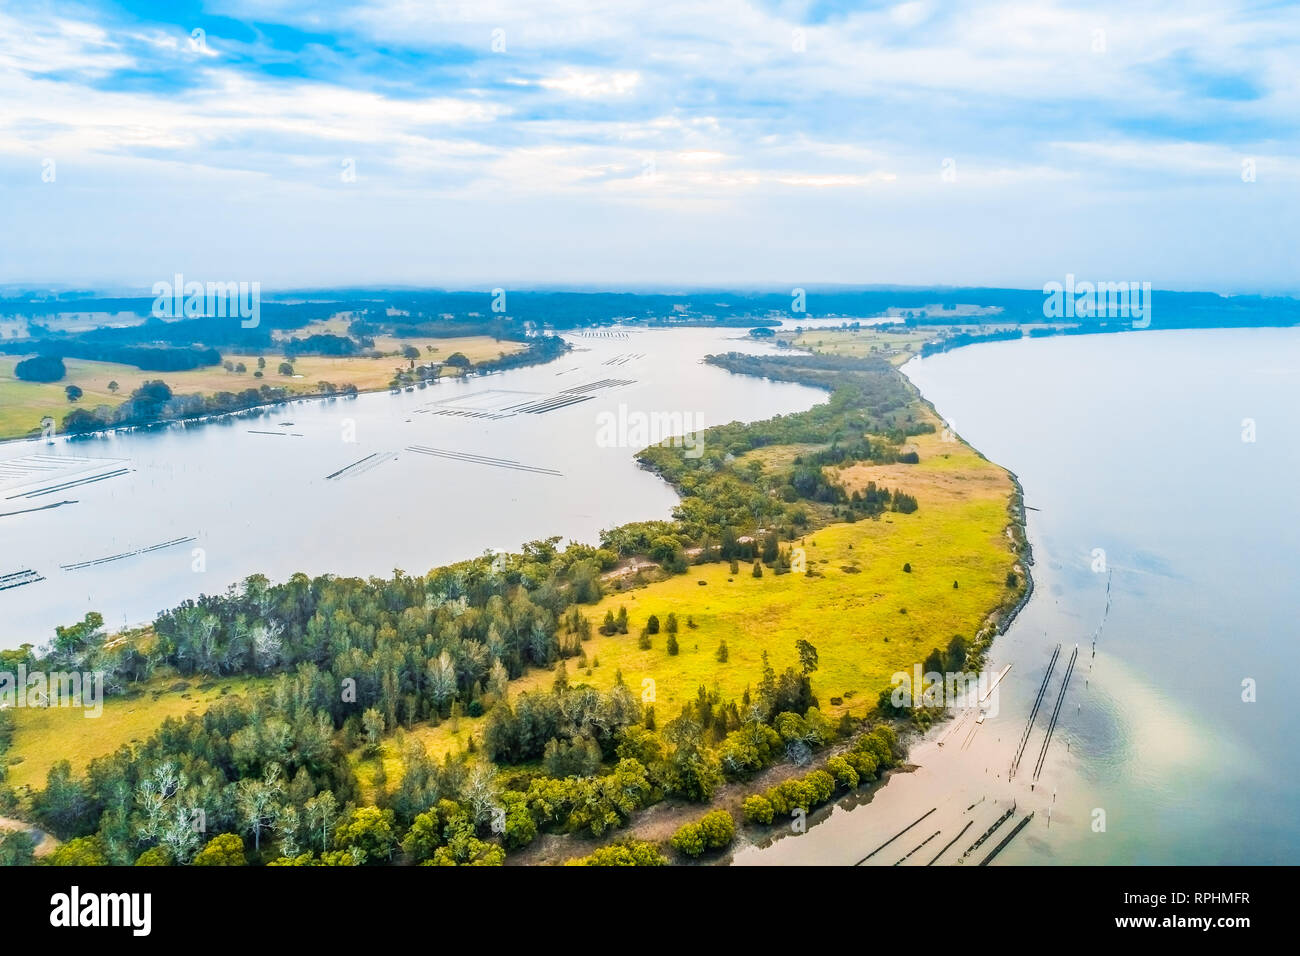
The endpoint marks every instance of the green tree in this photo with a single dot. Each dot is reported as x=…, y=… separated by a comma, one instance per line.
x=369, y=830
x=224, y=850
x=807, y=656
x=74, y=392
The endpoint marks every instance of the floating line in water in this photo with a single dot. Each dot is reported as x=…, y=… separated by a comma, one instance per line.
x=1029, y=725
x=989, y=832
x=952, y=841
x=603, y=383
x=17, y=579
x=126, y=554
x=895, y=836
x=918, y=846
x=548, y=404
x=351, y=466
x=1007, y=839
x=482, y=460
x=1047, y=741
x=64, y=486
x=57, y=504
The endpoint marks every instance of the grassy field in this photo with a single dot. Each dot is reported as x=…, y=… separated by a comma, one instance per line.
x=897, y=346
x=44, y=736
x=24, y=404
x=855, y=618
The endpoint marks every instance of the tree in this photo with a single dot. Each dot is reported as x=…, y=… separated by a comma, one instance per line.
x=807, y=656
x=286, y=368
x=16, y=848
x=83, y=851
x=672, y=644
x=372, y=722
x=652, y=624
x=256, y=800
x=64, y=804
x=113, y=387
x=261, y=361
x=442, y=679
x=74, y=392
x=722, y=653
x=42, y=368
x=224, y=850
x=670, y=625
x=321, y=812
x=369, y=830
x=458, y=360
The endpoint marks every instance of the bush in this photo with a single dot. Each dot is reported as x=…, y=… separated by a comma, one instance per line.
x=689, y=840
x=42, y=368
x=719, y=829
x=713, y=831
x=624, y=853
x=757, y=809
x=843, y=772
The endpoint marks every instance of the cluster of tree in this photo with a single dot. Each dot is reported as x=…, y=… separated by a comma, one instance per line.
x=40, y=368
x=623, y=853
x=155, y=402
x=950, y=342
x=322, y=344
x=150, y=358
x=713, y=831
x=721, y=494
x=870, y=754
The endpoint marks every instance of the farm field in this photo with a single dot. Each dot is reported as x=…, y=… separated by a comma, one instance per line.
x=24, y=404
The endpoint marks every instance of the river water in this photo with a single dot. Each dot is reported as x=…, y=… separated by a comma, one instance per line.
x=253, y=492
x=1134, y=449
x=1130, y=448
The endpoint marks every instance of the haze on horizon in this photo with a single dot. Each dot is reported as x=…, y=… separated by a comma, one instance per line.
x=320, y=144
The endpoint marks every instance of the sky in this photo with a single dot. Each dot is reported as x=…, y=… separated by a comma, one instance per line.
x=679, y=143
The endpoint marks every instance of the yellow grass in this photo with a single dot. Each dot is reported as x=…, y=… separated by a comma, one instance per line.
x=854, y=620
x=44, y=736
x=897, y=346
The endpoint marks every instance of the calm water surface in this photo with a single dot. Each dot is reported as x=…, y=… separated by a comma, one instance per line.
x=256, y=502
x=1131, y=444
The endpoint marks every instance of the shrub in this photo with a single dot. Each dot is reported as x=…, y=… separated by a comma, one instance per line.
x=719, y=829
x=713, y=831
x=624, y=853
x=689, y=840
x=757, y=809
x=843, y=772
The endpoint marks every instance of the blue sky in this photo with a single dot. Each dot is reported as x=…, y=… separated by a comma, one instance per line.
x=480, y=144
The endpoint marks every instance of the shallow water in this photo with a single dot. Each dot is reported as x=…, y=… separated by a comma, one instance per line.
x=1132, y=444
